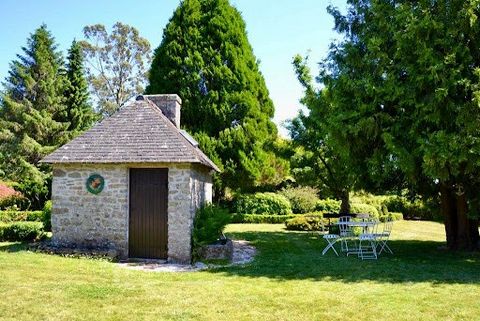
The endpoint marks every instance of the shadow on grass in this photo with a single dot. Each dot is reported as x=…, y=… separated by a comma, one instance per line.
x=289, y=256
x=13, y=247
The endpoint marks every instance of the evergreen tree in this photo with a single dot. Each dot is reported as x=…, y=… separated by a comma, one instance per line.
x=403, y=88
x=31, y=114
x=206, y=58
x=78, y=112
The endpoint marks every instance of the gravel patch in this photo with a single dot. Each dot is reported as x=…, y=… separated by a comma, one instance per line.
x=243, y=253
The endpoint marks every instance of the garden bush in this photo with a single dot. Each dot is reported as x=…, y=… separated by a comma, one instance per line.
x=262, y=203
x=261, y=218
x=47, y=216
x=16, y=201
x=328, y=206
x=306, y=222
x=377, y=201
x=21, y=231
x=365, y=209
x=393, y=215
x=25, y=216
x=302, y=199
x=417, y=209
x=208, y=225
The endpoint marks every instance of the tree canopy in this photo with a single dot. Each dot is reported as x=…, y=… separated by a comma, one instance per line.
x=117, y=64
x=403, y=84
x=206, y=58
x=32, y=114
x=79, y=112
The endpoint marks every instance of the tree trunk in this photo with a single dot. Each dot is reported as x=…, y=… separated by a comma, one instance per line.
x=462, y=232
x=345, y=202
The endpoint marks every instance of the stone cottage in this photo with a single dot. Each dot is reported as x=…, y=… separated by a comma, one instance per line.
x=132, y=183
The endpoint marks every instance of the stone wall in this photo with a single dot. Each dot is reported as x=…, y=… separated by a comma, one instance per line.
x=189, y=187
x=84, y=219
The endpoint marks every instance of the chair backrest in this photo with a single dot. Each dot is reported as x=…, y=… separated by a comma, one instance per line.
x=388, y=226
x=345, y=229
x=364, y=217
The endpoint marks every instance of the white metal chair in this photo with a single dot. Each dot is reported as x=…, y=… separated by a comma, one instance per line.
x=367, y=248
x=331, y=240
x=383, y=237
x=346, y=232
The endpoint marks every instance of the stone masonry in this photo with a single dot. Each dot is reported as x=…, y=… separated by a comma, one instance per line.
x=80, y=218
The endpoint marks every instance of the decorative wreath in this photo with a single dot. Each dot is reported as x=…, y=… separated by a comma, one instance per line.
x=95, y=183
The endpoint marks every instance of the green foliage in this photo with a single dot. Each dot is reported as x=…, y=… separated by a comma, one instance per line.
x=79, y=112
x=32, y=110
x=117, y=63
x=302, y=199
x=262, y=203
x=403, y=85
x=377, y=201
x=206, y=58
x=416, y=209
x=47, y=216
x=393, y=215
x=327, y=206
x=16, y=201
x=261, y=218
x=25, y=216
x=365, y=209
x=21, y=231
x=209, y=222
x=306, y=222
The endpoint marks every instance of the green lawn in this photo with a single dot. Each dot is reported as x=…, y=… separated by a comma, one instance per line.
x=289, y=280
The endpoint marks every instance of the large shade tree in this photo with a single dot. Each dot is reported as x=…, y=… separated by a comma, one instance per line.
x=404, y=86
x=117, y=64
x=32, y=114
x=206, y=58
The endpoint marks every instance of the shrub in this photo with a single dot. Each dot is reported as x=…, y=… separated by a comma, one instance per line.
x=262, y=203
x=21, y=231
x=208, y=225
x=365, y=209
x=47, y=216
x=377, y=201
x=261, y=218
x=393, y=215
x=14, y=216
x=302, y=199
x=15, y=201
x=307, y=222
x=417, y=209
x=328, y=206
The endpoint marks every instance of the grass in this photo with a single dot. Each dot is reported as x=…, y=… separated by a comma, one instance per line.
x=289, y=280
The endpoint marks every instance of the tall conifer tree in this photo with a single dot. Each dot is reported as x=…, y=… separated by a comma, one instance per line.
x=32, y=114
x=79, y=112
x=206, y=58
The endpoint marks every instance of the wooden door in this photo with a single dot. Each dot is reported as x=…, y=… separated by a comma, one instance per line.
x=148, y=235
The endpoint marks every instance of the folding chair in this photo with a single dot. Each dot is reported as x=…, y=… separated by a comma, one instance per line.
x=331, y=240
x=382, y=238
x=346, y=232
x=367, y=248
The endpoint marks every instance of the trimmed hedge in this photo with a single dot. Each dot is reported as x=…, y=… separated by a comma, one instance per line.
x=47, y=216
x=328, y=205
x=262, y=203
x=261, y=218
x=15, y=216
x=306, y=222
x=21, y=231
x=395, y=216
x=365, y=209
x=302, y=199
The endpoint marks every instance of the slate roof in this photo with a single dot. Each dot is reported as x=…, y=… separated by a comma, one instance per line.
x=138, y=133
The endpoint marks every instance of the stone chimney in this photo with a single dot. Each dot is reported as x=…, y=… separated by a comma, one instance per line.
x=169, y=105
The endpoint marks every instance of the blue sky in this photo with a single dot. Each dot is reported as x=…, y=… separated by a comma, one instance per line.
x=277, y=30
